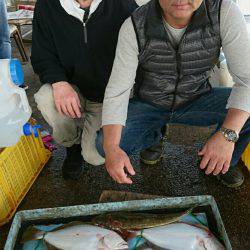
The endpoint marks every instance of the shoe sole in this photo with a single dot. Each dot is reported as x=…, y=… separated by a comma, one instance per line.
x=237, y=185
x=148, y=162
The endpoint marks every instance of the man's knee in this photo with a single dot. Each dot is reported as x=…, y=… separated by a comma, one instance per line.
x=44, y=97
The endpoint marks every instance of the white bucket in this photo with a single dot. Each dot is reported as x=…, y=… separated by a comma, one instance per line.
x=14, y=106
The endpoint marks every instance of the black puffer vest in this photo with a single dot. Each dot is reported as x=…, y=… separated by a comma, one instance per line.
x=170, y=77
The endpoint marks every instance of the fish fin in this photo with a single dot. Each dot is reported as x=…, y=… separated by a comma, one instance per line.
x=32, y=234
x=71, y=224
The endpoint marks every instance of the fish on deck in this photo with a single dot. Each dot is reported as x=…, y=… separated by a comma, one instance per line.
x=75, y=236
x=179, y=236
x=122, y=221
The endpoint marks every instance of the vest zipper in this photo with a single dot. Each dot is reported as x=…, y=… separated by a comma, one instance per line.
x=176, y=83
x=85, y=21
x=178, y=59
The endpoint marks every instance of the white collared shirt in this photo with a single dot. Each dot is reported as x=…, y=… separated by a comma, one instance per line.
x=72, y=7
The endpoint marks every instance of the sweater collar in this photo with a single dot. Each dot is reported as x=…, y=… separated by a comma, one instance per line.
x=72, y=7
x=154, y=23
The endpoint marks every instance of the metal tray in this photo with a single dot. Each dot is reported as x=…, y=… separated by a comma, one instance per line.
x=205, y=204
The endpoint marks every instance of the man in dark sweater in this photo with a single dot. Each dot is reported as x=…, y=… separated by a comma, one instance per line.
x=73, y=50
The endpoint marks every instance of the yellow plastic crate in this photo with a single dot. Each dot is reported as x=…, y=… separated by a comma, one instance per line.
x=19, y=167
x=246, y=157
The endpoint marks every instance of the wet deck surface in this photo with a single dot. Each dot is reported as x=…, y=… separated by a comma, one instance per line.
x=176, y=175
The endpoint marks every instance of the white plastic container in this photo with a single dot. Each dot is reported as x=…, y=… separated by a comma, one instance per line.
x=14, y=106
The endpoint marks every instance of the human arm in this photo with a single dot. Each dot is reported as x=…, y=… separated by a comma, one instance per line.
x=217, y=152
x=115, y=106
x=116, y=160
x=46, y=63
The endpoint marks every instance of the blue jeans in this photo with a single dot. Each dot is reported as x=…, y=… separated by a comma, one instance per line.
x=5, y=46
x=144, y=122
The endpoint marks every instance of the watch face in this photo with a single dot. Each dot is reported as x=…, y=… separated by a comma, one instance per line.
x=232, y=136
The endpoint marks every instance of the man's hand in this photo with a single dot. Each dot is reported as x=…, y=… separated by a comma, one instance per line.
x=216, y=155
x=66, y=100
x=116, y=162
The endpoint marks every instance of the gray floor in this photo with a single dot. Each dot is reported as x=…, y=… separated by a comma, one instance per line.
x=176, y=175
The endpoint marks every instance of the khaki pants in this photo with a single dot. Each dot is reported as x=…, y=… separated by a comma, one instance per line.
x=68, y=131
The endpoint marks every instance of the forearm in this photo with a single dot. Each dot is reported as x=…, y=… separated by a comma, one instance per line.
x=236, y=119
x=111, y=136
x=116, y=160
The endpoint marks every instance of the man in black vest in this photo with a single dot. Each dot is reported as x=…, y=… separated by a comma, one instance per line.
x=168, y=48
x=73, y=50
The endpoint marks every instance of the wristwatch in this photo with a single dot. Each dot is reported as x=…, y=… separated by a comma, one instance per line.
x=229, y=134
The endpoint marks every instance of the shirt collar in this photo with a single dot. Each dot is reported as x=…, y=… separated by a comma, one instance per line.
x=72, y=7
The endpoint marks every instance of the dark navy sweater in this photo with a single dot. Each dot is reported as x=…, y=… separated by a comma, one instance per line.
x=60, y=51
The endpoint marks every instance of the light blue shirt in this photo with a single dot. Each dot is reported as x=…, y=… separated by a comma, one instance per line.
x=5, y=47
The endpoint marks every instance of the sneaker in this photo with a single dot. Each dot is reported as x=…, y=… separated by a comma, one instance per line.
x=73, y=164
x=152, y=155
x=232, y=179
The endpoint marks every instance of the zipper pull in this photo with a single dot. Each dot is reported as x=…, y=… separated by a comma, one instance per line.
x=85, y=33
x=85, y=20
